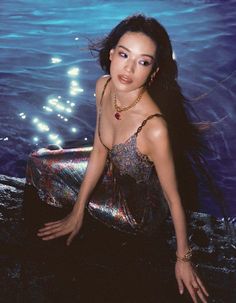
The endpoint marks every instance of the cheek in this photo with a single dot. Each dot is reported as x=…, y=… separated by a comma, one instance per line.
x=144, y=73
x=113, y=67
x=116, y=64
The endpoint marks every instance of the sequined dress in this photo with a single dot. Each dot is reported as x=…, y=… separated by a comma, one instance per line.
x=128, y=196
x=133, y=200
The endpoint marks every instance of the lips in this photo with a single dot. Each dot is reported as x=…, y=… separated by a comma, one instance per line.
x=125, y=79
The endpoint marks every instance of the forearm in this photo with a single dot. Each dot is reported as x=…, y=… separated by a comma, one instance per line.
x=179, y=221
x=94, y=170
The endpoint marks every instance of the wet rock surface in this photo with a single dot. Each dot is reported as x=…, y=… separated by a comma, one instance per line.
x=99, y=261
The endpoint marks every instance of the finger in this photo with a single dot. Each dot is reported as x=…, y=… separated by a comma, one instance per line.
x=50, y=231
x=180, y=286
x=198, y=291
x=202, y=286
x=201, y=296
x=192, y=293
x=53, y=229
x=45, y=229
x=49, y=227
x=69, y=240
x=52, y=223
x=54, y=236
x=71, y=237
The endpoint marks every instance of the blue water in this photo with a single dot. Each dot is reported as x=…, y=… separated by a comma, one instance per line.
x=32, y=33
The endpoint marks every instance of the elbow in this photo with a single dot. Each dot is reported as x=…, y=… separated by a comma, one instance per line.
x=100, y=152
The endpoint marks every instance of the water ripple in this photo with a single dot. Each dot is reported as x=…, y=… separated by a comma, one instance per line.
x=34, y=32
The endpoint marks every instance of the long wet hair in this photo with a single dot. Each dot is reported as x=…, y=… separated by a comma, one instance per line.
x=165, y=91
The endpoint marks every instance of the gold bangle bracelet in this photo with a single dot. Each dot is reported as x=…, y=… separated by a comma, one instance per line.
x=187, y=257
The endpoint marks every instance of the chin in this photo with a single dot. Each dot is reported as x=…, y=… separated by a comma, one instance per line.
x=122, y=87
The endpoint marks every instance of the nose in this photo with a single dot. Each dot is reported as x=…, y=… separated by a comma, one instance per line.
x=130, y=66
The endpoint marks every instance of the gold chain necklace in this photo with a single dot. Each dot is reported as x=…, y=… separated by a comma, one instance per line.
x=121, y=109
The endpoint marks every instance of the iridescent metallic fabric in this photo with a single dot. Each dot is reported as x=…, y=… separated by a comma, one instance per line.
x=134, y=199
x=131, y=203
x=57, y=174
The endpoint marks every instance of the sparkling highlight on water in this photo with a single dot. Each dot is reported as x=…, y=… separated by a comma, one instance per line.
x=73, y=72
x=43, y=127
x=74, y=129
x=74, y=88
x=22, y=115
x=55, y=60
x=58, y=106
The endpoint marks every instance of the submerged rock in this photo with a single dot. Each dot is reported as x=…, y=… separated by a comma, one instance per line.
x=35, y=271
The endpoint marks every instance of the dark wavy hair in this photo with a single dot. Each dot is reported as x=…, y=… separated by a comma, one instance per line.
x=165, y=91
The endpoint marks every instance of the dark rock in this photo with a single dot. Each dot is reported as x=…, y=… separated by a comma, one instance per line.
x=200, y=238
x=35, y=271
x=17, y=183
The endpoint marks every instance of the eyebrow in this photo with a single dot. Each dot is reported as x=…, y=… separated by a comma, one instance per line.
x=141, y=54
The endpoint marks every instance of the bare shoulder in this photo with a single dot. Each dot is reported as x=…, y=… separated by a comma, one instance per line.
x=156, y=130
x=100, y=85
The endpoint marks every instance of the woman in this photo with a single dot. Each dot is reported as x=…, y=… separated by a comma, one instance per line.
x=143, y=130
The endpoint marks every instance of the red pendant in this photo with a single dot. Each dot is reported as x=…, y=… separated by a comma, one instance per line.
x=117, y=116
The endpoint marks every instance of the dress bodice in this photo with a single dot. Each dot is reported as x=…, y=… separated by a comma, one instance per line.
x=125, y=156
x=129, y=161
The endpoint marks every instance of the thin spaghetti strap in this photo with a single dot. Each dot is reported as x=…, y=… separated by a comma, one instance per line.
x=145, y=121
x=100, y=111
x=104, y=88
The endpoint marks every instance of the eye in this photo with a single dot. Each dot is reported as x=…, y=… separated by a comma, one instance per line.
x=145, y=62
x=122, y=54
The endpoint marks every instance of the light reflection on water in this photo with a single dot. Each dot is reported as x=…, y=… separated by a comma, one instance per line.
x=58, y=108
x=48, y=74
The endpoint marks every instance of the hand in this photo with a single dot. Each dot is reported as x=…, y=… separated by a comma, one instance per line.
x=69, y=225
x=187, y=276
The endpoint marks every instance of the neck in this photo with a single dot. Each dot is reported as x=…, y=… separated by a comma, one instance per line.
x=125, y=98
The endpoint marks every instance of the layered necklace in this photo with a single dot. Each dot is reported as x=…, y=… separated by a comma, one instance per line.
x=120, y=109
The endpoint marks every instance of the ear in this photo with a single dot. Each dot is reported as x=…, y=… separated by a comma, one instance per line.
x=152, y=77
x=155, y=73
x=111, y=53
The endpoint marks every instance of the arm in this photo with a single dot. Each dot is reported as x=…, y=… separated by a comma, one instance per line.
x=96, y=161
x=73, y=222
x=159, y=150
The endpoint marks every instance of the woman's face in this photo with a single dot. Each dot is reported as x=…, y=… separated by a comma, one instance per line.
x=132, y=61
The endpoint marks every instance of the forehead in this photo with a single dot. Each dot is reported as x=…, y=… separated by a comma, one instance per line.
x=138, y=43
